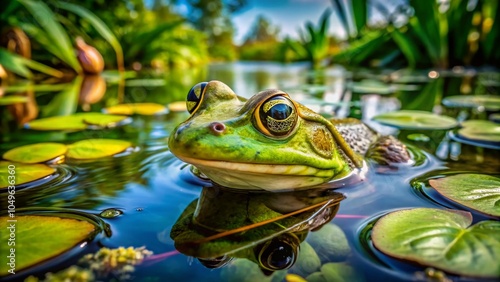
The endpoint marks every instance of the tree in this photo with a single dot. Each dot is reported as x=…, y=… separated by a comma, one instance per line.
x=213, y=18
x=262, y=31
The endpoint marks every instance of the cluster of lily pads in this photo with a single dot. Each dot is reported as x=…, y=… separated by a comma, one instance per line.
x=31, y=160
x=445, y=239
x=482, y=133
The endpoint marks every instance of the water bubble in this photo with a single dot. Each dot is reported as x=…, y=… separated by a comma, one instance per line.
x=111, y=213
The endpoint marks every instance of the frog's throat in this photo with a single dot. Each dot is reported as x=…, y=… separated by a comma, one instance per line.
x=261, y=176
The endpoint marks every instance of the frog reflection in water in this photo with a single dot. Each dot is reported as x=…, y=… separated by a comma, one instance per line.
x=266, y=228
x=271, y=142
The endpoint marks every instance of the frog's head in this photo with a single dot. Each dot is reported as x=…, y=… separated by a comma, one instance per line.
x=266, y=142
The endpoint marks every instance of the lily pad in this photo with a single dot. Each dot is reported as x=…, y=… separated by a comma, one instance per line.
x=137, y=108
x=480, y=130
x=78, y=121
x=477, y=191
x=409, y=119
x=489, y=102
x=441, y=239
x=35, y=153
x=10, y=100
x=38, y=238
x=22, y=173
x=97, y=148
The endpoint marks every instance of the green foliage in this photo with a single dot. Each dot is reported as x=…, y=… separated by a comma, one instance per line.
x=432, y=34
x=261, y=42
x=314, y=42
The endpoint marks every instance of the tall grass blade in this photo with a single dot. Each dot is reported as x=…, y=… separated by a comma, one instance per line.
x=100, y=27
x=359, y=11
x=21, y=65
x=54, y=32
x=341, y=11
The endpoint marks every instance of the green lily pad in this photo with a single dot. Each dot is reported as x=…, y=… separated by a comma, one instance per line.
x=38, y=238
x=489, y=102
x=10, y=100
x=78, y=121
x=22, y=173
x=441, y=239
x=480, y=130
x=409, y=119
x=137, y=108
x=97, y=148
x=35, y=153
x=477, y=191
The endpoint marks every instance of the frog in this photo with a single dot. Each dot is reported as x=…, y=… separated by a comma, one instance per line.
x=223, y=224
x=271, y=142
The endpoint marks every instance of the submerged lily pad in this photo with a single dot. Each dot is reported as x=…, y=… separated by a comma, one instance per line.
x=10, y=100
x=35, y=153
x=22, y=173
x=489, y=102
x=477, y=191
x=137, y=108
x=78, y=121
x=39, y=238
x=97, y=148
x=409, y=119
x=442, y=239
x=480, y=130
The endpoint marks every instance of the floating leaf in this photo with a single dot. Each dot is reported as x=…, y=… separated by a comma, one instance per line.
x=441, y=239
x=39, y=238
x=102, y=120
x=179, y=106
x=97, y=148
x=488, y=102
x=477, y=191
x=137, y=108
x=78, y=121
x=23, y=173
x=409, y=119
x=480, y=130
x=9, y=100
x=35, y=153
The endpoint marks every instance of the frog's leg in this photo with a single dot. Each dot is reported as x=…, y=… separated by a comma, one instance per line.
x=384, y=150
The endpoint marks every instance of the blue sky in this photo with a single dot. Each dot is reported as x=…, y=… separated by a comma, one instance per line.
x=289, y=15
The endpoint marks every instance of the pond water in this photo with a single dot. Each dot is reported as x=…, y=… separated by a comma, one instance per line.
x=144, y=192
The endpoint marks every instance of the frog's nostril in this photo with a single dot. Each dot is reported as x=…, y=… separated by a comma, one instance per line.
x=217, y=127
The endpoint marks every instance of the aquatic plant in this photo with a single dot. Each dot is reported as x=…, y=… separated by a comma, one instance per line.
x=314, y=41
x=431, y=34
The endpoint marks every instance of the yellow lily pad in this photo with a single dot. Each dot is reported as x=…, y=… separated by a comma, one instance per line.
x=146, y=109
x=38, y=238
x=97, y=148
x=19, y=173
x=78, y=121
x=10, y=100
x=35, y=153
x=179, y=106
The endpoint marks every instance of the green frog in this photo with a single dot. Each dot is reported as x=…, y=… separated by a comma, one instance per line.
x=272, y=142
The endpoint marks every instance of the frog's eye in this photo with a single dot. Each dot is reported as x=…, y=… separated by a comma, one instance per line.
x=276, y=117
x=195, y=96
x=278, y=253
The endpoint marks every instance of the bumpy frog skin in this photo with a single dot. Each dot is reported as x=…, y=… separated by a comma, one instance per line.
x=266, y=142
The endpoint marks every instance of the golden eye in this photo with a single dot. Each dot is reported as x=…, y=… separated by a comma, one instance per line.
x=277, y=116
x=194, y=96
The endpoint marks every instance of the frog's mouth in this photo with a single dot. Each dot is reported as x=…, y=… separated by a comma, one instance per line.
x=261, y=176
